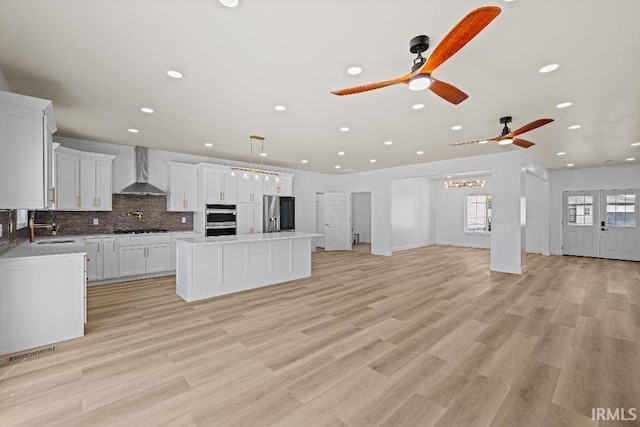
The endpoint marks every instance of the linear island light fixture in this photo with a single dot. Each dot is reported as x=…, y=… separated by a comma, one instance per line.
x=464, y=183
x=257, y=173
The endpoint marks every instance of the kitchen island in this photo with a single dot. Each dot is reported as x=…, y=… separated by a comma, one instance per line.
x=211, y=266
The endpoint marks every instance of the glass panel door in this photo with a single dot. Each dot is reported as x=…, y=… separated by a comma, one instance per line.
x=619, y=236
x=580, y=223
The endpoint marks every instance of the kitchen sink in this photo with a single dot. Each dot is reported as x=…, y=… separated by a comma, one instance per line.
x=53, y=242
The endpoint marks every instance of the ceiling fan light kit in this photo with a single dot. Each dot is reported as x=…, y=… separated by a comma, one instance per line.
x=507, y=137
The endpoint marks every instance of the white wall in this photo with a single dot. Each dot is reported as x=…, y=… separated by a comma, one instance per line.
x=305, y=184
x=361, y=215
x=409, y=213
x=537, y=191
x=450, y=210
x=601, y=178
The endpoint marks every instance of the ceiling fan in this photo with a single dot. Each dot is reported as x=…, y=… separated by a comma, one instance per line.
x=420, y=76
x=507, y=137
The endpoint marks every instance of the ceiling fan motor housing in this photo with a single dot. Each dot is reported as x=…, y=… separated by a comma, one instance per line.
x=419, y=44
x=504, y=121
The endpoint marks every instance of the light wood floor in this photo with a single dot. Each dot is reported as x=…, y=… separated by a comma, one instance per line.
x=426, y=337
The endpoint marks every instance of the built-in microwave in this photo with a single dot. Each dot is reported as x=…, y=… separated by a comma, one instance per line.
x=220, y=220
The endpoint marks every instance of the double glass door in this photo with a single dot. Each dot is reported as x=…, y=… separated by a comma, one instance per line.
x=601, y=224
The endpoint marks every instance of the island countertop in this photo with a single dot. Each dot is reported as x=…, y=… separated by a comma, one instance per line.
x=246, y=238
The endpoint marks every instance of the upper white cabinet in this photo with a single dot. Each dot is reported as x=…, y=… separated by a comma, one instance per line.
x=26, y=152
x=83, y=180
x=250, y=190
x=183, y=188
x=219, y=185
x=281, y=187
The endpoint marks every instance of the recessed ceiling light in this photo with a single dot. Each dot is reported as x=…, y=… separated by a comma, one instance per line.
x=337, y=166
x=372, y=160
x=263, y=154
x=570, y=165
x=354, y=71
x=505, y=141
x=564, y=105
x=230, y=3
x=630, y=159
x=146, y=110
x=417, y=106
x=344, y=129
x=388, y=142
x=420, y=153
x=561, y=153
x=456, y=127
x=340, y=153
x=305, y=161
x=280, y=108
x=548, y=68
x=133, y=130
x=635, y=144
x=572, y=127
x=208, y=144
x=175, y=74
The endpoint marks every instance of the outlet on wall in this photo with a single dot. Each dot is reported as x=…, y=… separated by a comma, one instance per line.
x=96, y=221
x=184, y=219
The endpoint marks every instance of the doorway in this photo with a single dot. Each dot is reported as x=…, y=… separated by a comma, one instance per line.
x=333, y=221
x=361, y=221
x=601, y=224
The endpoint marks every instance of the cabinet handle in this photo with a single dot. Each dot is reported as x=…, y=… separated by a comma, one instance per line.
x=78, y=201
x=98, y=247
x=114, y=246
x=278, y=189
x=223, y=195
x=53, y=195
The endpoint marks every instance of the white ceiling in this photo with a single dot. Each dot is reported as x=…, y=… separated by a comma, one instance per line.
x=100, y=61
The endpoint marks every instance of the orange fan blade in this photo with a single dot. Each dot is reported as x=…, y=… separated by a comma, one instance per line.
x=447, y=92
x=522, y=143
x=372, y=86
x=460, y=35
x=531, y=126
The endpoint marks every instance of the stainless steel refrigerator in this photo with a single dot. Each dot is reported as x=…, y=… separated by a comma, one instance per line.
x=279, y=214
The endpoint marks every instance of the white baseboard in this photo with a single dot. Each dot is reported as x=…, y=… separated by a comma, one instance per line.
x=506, y=269
x=383, y=253
x=130, y=278
x=556, y=252
x=414, y=246
x=465, y=245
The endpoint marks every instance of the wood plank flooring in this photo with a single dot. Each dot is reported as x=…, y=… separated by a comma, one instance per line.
x=427, y=337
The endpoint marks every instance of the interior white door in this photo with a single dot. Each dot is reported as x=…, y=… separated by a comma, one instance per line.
x=619, y=237
x=320, y=211
x=337, y=229
x=580, y=223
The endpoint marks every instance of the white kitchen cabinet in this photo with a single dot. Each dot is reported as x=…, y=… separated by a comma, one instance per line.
x=282, y=187
x=95, y=184
x=110, y=258
x=83, y=180
x=95, y=262
x=26, y=152
x=219, y=185
x=250, y=190
x=183, y=188
x=42, y=300
x=249, y=218
x=176, y=236
x=67, y=181
x=144, y=255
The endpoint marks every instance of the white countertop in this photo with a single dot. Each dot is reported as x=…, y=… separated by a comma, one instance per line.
x=243, y=238
x=27, y=249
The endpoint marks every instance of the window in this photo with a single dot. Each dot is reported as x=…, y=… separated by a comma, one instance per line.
x=579, y=210
x=477, y=213
x=621, y=210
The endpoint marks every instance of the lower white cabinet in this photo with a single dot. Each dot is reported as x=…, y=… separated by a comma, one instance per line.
x=102, y=258
x=42, y=300
x=144, y=255
x=175, y=237
x=110, y=258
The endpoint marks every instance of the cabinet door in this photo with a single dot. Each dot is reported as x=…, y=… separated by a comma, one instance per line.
x=67, y=182
x=95, y=265
x=244, y=218
x=257, y=218
x=158, y=258
x=103, y=185
x=88, y=184
x=258, y=191
x=177, y=182
x=132, y=260
x=230, y=188
x=191, y=190
x=110, y=258
x=285, y=186
x=23, y=148
x=270, y=186
x=245, y=190
x=212, y=185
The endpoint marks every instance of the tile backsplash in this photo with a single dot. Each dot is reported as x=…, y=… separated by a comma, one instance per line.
x=10, y=236
x=154, y=210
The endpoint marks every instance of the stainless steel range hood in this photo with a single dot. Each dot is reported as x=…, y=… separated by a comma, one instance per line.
x=142, y=187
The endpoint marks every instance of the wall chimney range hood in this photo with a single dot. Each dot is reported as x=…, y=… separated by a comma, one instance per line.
x=142, y=187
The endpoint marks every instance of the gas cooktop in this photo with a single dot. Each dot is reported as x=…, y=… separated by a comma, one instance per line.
x=141, y=231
